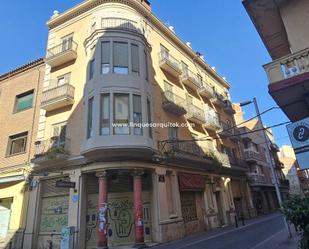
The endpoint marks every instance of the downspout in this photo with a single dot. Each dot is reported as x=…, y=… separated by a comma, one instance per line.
x=29, y=154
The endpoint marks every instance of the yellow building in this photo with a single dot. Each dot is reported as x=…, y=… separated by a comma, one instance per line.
x=109, y=161
x=20, y=100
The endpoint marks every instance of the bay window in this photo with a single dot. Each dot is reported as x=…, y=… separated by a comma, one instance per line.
x=135, y=59
x=137, y=115
x=121, y=114
x=90, y=118
x=121, y=60
x=105, y=114
x=105, y=56
x=149, y=118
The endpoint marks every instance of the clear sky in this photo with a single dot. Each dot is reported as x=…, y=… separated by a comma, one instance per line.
x=221, y=30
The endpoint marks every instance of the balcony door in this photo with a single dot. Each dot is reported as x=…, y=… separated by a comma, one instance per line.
x=67, y=43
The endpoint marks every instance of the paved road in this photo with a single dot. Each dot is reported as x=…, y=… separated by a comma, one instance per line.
x=247, y=237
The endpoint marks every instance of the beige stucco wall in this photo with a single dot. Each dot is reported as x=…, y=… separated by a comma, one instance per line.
x=295, y=16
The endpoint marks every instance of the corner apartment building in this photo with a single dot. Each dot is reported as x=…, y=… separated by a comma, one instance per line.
x=19, y=115
x=283, y=27
x=110, y=66
x=257, y=156
x=299, y=180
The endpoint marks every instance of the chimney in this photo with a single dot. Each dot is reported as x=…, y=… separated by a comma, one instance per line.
x=146, y=4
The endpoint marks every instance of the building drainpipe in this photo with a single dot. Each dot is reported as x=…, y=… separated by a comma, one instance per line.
x=29, y=154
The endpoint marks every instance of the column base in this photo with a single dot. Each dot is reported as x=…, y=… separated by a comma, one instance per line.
x=140, y=245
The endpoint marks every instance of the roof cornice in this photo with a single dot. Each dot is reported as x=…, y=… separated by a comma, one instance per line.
x=22, y=69
x=138, y=6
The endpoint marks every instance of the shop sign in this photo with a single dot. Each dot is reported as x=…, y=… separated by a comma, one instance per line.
x=65, y=184
x=299, y=136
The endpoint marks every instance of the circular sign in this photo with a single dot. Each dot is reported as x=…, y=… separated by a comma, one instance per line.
x=301, y=133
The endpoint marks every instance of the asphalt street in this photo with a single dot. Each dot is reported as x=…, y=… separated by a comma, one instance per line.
x=250, y=236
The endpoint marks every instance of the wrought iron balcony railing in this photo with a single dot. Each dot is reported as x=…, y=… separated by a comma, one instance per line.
x=255, y=178
x=195, y=114
x=173, y=103
x=169, y=63
x=52, y=147
x=190, y=78
x=251, y=155
x=62, y=48
x=57, y=96
x=206, y=90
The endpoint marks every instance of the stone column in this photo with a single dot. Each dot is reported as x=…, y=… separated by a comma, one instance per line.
x=138, y=208
x=102, y=211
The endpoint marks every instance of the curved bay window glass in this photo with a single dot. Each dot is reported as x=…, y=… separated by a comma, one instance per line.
x=105, y=114
x=135, y=59
x=105, y=56
x=121, y=58
x=121, y=114
x=137, y=115
x=90, y=118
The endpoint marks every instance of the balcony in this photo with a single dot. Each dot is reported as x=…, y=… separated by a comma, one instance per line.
x=256, y=179
x=289, y=76
x=195, y=114
x=169, y=64
x=206, y=90
x=219, y=100
x=173, y=103
x=212, y=123
x=228, y=108
x=53, y=149
x=190, y=79
x=230, y=131
x=57, y=97
x=252, y=156
x=61, y=54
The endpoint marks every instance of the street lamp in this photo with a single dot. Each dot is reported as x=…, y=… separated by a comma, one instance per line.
x=272, y=168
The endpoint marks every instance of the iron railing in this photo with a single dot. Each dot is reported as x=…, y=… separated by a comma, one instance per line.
x=170, y=97
x=55, y=145
x=56, y=93
x=165, y=57
x=62, y=48
x=206, y=87
x=256, y=178
x=195, y=112
x=187, y=74
x=119, y=23
x=252, y=155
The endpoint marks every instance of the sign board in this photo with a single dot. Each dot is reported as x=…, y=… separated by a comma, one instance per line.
x=299, y=136
x=65, y=184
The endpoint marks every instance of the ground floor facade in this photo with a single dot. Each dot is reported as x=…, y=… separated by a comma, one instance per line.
x=129, y=203
x=13, y=206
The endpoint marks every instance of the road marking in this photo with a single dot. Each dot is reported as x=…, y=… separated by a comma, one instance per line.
x=268, y=239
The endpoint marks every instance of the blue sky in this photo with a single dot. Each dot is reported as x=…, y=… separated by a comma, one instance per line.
x=221, y=30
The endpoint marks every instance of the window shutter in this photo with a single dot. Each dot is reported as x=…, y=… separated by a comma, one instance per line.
x=120, y=54
x=135, y=58
x=105, y=52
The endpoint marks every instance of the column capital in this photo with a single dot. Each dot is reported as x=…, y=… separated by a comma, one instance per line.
x=102, y=173
x=138, y=172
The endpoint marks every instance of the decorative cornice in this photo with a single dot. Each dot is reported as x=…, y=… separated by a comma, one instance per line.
x=138, y=6
x=21, y=69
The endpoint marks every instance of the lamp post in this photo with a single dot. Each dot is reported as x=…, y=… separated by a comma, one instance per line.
x=272, y=168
